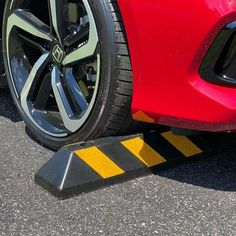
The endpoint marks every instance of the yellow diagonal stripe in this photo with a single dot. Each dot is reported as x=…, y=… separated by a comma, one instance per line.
x=143, y=152
x=98, y=161
x=183, y=144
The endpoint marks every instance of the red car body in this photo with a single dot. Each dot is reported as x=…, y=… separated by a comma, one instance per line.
x=168, y=40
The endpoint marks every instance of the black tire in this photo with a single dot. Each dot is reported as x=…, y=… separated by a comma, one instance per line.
x=111, y=112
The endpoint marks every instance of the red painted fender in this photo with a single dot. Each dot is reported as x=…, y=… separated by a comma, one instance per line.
x=168, y=40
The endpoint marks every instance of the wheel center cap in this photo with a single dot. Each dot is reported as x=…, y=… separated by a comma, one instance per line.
x=57, y=53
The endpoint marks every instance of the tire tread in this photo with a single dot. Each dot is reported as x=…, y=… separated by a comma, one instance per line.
x=120, y=120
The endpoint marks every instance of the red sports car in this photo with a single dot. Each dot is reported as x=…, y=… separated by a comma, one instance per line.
x=78, y=69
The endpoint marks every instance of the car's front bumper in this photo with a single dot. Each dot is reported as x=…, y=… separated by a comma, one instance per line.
x=168, y=41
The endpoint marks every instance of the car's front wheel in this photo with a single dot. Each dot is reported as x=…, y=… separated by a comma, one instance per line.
x=68, y=68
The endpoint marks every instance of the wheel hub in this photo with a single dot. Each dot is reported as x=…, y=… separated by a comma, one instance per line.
x=58, y=54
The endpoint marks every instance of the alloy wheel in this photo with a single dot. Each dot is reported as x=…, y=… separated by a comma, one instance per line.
x=54, y=62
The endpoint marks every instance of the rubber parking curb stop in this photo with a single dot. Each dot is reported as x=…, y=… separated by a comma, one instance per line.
x=92, y=165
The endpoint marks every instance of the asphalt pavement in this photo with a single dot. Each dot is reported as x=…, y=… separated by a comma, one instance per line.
x=193, y=198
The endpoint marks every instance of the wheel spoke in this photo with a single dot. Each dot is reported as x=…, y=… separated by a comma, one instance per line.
x=87, y=50
x=76, y=93
x=27, y=22
x=57, y=18
x=33, y=78
x=63, y=104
